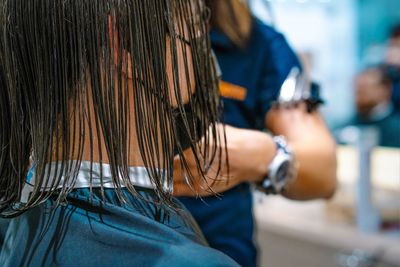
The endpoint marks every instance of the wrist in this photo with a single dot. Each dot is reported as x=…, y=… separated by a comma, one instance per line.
x=267, y=150
x=254, y=152
x=281, y=171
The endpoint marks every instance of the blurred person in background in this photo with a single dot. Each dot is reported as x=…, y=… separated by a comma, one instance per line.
x=374, y=106
x=256, y=60
x=392, y=63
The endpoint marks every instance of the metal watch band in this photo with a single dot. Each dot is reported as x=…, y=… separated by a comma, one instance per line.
x=274, y=183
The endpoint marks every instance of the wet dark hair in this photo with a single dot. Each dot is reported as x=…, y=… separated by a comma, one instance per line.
x=4, y=136
x=58, y=59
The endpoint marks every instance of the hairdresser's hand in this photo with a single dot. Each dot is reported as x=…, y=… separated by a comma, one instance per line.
x=295, y=123
x=249, y=154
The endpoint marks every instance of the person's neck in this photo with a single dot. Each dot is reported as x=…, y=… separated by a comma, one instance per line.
x=93, y=146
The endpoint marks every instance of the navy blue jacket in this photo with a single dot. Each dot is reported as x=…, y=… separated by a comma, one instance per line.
x=254, y=76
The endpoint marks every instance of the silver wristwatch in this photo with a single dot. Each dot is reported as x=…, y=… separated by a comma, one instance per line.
x=281, y=170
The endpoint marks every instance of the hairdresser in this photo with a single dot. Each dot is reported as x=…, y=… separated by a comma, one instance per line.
x=296, y=159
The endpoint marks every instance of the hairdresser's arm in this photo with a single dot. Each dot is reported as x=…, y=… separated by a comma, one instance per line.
x=250, y=153
x=314, y=150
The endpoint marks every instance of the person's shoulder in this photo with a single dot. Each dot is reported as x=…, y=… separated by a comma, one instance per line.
x=264, y=31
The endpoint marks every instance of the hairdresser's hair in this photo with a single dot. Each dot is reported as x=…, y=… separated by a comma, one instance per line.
x=233, y=18
x=57, y=56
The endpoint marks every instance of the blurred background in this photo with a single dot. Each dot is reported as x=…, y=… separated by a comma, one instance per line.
x=349, y=47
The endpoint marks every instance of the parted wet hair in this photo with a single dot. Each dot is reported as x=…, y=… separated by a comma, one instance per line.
x=62, y=81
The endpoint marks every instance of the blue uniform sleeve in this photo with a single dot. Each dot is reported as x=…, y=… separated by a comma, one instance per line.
x=279, y=60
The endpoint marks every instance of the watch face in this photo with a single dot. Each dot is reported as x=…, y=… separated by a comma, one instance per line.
x=283, y=172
